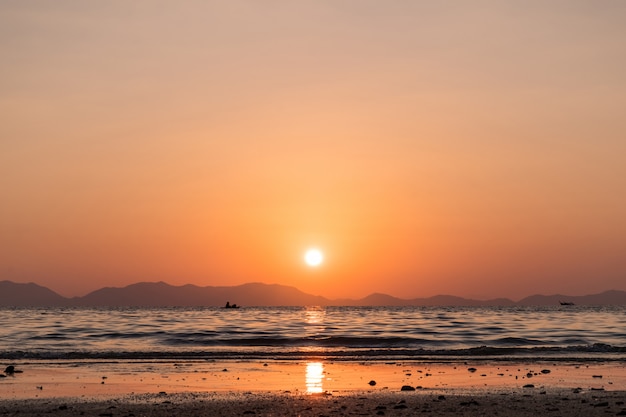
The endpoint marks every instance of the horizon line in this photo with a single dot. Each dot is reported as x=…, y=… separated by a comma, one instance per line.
x=375, y=293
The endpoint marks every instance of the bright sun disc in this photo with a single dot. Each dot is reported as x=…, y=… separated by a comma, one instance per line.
x=313, y=257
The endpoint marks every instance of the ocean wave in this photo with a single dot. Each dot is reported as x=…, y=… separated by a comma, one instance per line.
x=595, y=352
x=369, y=333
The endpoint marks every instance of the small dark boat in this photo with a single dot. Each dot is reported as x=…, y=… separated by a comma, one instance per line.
x=566, y=303
x=229, y=305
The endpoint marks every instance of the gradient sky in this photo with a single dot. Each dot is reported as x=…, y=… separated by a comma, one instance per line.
x=427, y=147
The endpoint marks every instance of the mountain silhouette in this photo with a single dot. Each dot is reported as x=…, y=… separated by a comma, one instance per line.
x=28, y=295
x=611, y=297
x=161, y=294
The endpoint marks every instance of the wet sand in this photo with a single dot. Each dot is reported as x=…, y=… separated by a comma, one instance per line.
x=312, y=388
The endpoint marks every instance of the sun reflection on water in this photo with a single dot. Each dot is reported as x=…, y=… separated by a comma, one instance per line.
x=314, y=377
x=314, y=315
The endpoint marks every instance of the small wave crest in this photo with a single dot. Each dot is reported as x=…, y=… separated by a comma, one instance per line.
x=595, y=352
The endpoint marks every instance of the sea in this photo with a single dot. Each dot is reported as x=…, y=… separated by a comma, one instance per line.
x=332, y=333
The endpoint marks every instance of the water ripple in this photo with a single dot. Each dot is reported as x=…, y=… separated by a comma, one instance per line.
x=335, y=330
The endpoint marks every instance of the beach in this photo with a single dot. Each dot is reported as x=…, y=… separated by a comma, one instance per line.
x=283, y=404
x=313, y=387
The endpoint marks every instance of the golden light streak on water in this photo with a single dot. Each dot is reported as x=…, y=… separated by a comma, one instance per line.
x=314, y=377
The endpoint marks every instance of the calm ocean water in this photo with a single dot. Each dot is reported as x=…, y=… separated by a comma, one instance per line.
x=351, y=333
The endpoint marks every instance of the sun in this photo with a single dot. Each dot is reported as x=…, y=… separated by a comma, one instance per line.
x=313, y=257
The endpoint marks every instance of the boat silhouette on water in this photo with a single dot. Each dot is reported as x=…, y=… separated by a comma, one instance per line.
x=229, y=305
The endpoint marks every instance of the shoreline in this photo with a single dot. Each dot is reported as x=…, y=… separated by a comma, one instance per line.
x=312, y=387
x=91, y=378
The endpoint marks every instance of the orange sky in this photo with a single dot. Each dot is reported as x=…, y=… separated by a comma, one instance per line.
x=467, y=148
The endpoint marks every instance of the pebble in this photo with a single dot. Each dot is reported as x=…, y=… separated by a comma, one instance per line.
x=407, y=388
x=372, y=382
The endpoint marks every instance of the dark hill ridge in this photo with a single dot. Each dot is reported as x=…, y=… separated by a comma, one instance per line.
x=28, y=295
x=611, y=297
x=161, y=294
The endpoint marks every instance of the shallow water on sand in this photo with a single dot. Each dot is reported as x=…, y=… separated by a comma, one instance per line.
x=295, y=332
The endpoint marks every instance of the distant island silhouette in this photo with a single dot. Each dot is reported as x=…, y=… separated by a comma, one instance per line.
x=161, y=294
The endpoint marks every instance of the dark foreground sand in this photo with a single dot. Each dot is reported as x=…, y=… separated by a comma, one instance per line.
x=557, y=403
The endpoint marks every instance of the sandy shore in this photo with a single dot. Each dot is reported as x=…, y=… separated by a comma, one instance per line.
x=553, y=403
x=312, y=388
